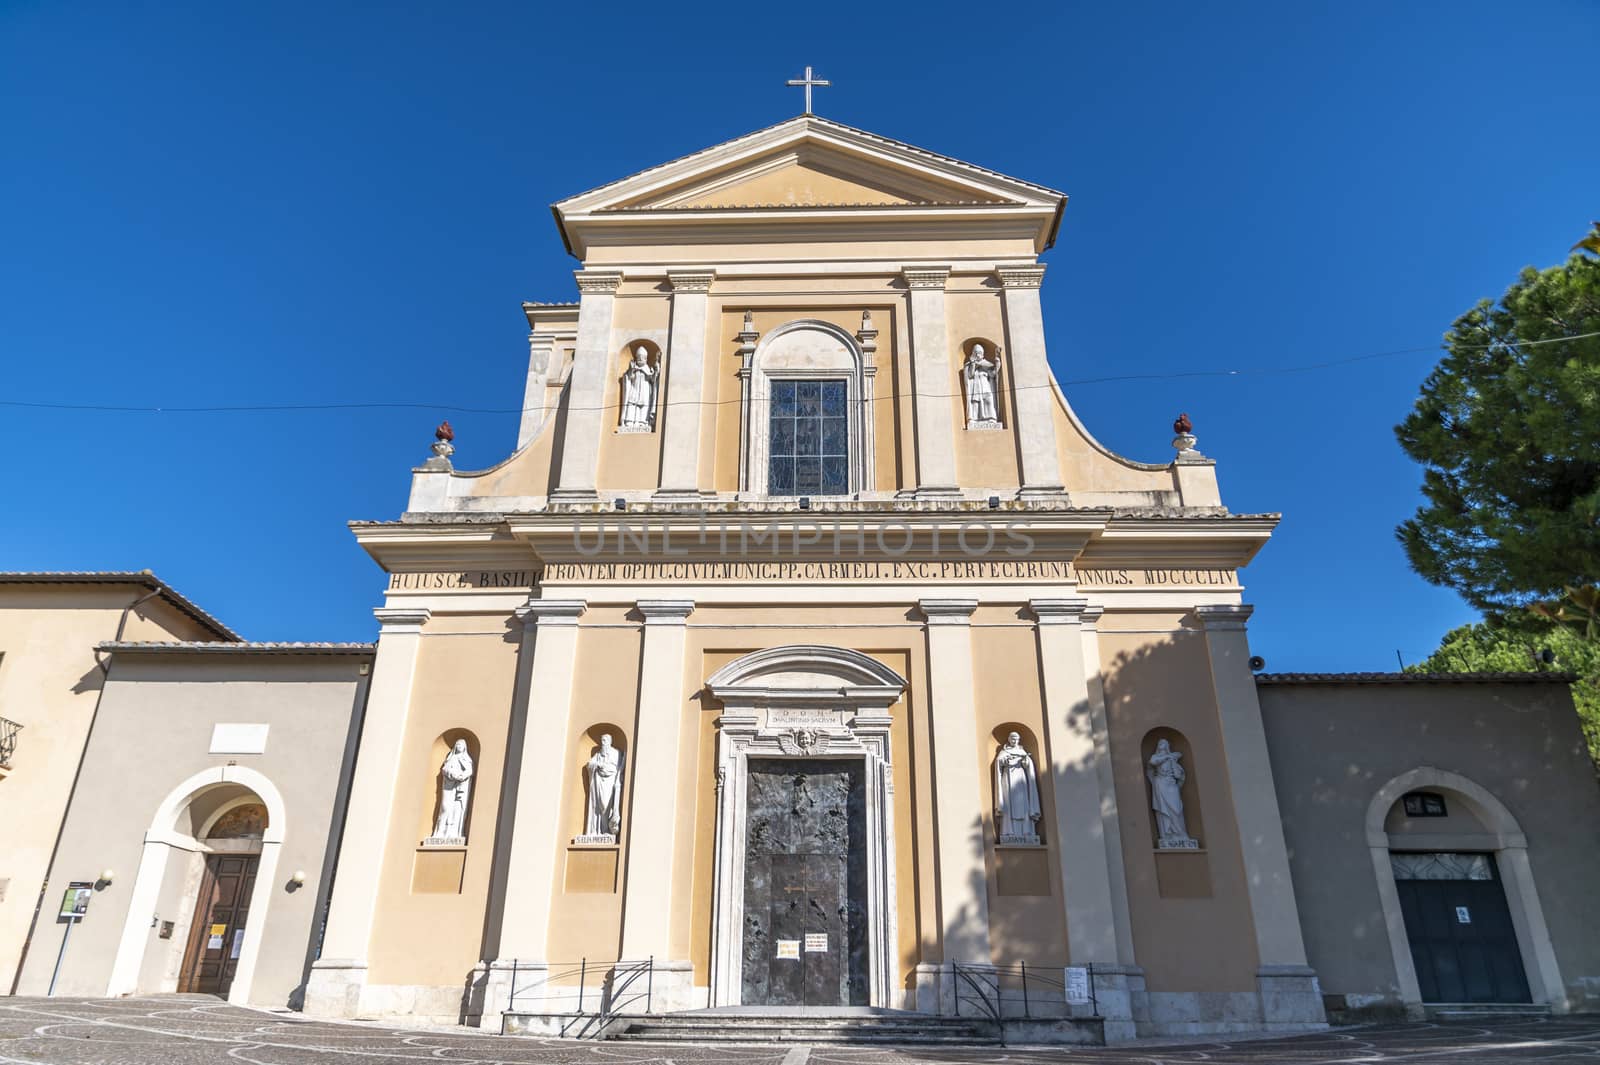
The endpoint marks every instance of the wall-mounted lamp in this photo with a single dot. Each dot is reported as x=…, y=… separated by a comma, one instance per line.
x=299, y=878
x=106, y=876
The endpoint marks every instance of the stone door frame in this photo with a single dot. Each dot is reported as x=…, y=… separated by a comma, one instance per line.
x=803, y=702
x=1505, y=840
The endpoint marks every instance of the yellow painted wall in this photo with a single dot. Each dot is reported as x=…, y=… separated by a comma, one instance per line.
x=1157, y=674
x=465, y=673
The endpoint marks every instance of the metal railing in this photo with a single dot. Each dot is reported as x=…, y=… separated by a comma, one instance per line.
x=8, y=740
x=622, y=987
x=996, y=992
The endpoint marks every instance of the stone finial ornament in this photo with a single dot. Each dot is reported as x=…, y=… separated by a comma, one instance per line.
x=1185, y=440
x=442, y=446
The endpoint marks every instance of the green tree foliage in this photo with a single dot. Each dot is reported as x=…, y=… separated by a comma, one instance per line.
x=1510, y=647
x=1507, y=428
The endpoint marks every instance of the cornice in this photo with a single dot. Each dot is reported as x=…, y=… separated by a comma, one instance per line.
x=926, y=276
x=689, y=281
x=401, y=620
x=1072, y=611
x=1224, y=617
x=598, y=282
x=551, y=612
x=947, y=611
x=665, y=611
x=1020, y=275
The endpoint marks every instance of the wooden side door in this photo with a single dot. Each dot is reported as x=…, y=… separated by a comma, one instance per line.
x=221, y=913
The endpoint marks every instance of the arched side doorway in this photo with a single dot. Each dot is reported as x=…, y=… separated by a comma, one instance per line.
x=1490, y=847
x=206, y=823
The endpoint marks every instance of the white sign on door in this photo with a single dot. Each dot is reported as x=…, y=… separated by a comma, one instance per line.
x=788, y=948
x=1463, y=915
x=816, y=942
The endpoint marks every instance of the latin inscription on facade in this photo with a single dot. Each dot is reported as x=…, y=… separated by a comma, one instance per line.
x=454, y=580
x=914, y=571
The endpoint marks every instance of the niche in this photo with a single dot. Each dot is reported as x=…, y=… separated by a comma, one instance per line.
x=1015, y=789
x=600, y=782
x=443, y=748
x=1172, y=798
x=639, y=387
x=980, y=384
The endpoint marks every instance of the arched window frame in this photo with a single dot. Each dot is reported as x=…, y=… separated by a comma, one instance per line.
x=757, y=377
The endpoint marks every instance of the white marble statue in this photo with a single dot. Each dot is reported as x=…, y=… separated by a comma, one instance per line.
x=982, y=377
x=1016, y=794
x=639, y=391
x=455, y=782
x=605, y=791
x=1166, y=775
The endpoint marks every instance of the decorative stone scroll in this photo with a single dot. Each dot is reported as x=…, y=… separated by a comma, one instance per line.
x=455, y=785
x=1166, y=776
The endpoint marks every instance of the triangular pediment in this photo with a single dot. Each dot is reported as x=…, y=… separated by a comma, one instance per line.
x=808, y=176
x=809, y=162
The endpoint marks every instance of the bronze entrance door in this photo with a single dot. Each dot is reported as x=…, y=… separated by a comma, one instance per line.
x=805, y=918
x=220, y=914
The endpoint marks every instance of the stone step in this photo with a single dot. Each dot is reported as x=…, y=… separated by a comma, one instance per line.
x=1446, y=1011
x=799, y=1029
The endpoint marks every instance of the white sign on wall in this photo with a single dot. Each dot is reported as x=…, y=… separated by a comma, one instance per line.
x=230, y=738
x=1463, y=915
x=1077, y=981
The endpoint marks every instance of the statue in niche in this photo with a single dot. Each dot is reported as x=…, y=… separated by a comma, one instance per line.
x=639, y=392
x=1166, y=776
x=1016, y=794
x=605, y=794
x=982, y=375
x=455, y=782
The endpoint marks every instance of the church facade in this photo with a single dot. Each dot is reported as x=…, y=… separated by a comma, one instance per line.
x=809, y=647
x=809, y=651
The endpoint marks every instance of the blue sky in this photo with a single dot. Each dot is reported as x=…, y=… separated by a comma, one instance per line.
x=218, y=204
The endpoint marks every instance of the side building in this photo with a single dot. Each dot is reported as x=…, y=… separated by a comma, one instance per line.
x=204, y=822
x=51, y=681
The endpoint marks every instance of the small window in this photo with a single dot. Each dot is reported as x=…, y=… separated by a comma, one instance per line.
x=1425, y=804
x=809, y=439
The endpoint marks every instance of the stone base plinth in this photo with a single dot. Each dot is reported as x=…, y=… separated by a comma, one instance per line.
x=1291, y=998
x=334, y=987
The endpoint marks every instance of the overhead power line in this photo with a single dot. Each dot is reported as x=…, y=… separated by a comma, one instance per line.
x=451, y=408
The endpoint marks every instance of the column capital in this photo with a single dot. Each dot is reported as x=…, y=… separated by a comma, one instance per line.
x=947, y=611
x=665, y=611
x=598, y=282
x=930, y=276
x=1020, y=275
x=1073, y=611
x=1224, y=617
x=691, y=280
x=546, y=612
x=401, y=619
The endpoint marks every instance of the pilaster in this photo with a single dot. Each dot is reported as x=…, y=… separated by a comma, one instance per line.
x=930, y=381
x=650, y=831
x=1088, y=834
x=580, y=445
x=680, y=415
x=1290, y=997
x=541, y=350
x=958, y=791
x=536, y=838
x=1033, y=399
x=339, y=977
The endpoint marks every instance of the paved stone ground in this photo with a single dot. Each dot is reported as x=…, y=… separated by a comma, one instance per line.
x=197, y=1030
